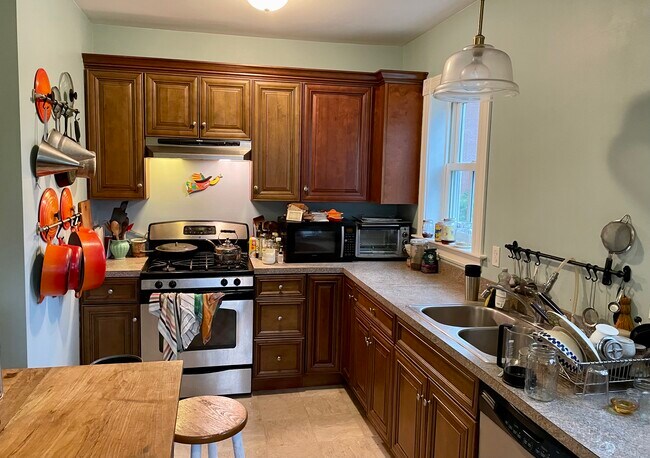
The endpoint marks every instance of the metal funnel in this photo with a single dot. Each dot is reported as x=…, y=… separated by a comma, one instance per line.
x=50, y=160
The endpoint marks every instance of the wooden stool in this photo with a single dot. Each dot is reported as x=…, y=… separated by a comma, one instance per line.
x=208, y=420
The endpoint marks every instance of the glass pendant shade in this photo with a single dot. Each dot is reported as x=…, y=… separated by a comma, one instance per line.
x=268, y=5
x=478, y=72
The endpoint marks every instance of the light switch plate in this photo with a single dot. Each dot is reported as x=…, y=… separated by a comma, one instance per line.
x=496, y=255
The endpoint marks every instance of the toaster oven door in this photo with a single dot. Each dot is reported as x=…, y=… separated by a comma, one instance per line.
x=380, y=241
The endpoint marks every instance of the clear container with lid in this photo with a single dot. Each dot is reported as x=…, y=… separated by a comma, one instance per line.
x=417, y=251
x=541, y=372
x=428, y=228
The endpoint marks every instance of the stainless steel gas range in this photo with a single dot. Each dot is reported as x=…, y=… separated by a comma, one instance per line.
x=223, y=365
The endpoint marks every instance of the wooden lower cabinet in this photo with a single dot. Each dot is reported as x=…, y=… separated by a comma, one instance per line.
x=380, y=383
x=359, y=337
x=275, y=358
x=347, y=320
x=323, y=322
x=108, y=330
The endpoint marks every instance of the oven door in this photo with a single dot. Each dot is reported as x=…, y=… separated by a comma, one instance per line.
x=231, y=342
x=314, y=242
x=380, y=241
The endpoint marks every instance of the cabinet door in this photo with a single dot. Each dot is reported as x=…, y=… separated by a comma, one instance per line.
x=360, y=341
x=115, y=132
x=225, y=108
x=323, y=318
x=408, y=415
x=336, y=138
x=172, y=105
x=451, y=432
x=379, y=399
x=347, y=320
x=276, y=142
x=109, y=330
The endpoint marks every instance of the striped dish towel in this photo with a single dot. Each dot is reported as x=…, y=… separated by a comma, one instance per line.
x=177, y=321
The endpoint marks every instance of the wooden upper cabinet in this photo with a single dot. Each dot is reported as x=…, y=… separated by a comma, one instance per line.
x=115, y=118
x=336, y=139
x=396, y=140
x=276, y=141
x=172, y=105
x=225, y=108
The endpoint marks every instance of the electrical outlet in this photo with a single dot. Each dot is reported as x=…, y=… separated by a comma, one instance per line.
x=496, y=255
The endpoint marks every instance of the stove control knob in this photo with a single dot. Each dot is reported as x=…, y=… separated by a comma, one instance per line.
x=158, y=284
x=237, y=282
x=224, y=282
x=172, y=284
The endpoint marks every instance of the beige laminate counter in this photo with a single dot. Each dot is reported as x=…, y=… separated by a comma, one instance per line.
x=115, y=410
x=581, y=427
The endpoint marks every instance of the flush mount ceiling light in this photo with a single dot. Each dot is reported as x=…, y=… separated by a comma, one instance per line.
x=268, y=5
x=478, y=72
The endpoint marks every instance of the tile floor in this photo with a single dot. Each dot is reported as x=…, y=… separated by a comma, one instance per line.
x=305, y=423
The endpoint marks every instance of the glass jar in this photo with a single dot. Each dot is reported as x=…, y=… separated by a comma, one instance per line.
x=428, y=229
x=448, y=231
x=541, y=372
x=417, y=251
x=438, y=231
x=642, y=388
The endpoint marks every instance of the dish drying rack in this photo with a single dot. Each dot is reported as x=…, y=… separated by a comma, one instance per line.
x=622, y=373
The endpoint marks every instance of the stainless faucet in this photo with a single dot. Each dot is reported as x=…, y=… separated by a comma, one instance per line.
x=530, y=300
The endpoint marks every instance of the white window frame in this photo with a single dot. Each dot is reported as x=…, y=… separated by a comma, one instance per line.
x=459, y=256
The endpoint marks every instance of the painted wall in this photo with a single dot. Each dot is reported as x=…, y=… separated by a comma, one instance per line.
x=243, y=50
x=572, y=151
x=53, y=326
x=13, y=350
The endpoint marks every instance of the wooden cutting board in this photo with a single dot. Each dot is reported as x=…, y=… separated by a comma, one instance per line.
x=86, y=214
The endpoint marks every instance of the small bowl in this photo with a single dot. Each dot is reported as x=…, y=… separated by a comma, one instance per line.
x=602, y=330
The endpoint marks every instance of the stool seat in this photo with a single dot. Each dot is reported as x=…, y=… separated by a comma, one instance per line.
x=207, y=419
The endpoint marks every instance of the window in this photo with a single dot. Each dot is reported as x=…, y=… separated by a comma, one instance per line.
x=453, y=176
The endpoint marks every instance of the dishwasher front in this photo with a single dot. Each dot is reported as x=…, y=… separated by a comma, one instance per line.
x=506, y=432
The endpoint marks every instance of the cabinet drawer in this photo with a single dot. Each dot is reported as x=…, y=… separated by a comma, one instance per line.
x=280, y=318
x=453, y=380
x=381, y=317
x=114, y=290
x=278, y=358
x=280, y=286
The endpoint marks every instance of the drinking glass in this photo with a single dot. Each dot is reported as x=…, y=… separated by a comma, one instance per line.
x=596, y=388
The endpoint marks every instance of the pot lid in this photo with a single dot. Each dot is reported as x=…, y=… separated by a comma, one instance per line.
x=176, y=247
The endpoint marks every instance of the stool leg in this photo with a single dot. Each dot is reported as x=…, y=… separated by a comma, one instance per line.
x=238, y=445
x=196, y=451
x=212, y=450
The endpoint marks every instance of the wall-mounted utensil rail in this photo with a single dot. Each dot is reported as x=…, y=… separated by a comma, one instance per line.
x=49, y=98
x=73, y=220
x=526, y=255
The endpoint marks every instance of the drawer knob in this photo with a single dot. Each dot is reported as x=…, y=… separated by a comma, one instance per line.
x=279, y=358
x=139, y=186
x=372, y=310
x=280, y=287
x=350, y=296
x=204, y=125
x=193, y=124
x=280, y=318
x=110, y=291
x=425, y=402
x=135, y=319
x=306, y=189
x=417, y=397
x=256, y=188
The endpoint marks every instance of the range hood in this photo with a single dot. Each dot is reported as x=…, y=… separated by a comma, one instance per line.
x=194, y=148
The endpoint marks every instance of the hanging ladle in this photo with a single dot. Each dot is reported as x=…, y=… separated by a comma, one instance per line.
x=618, y=237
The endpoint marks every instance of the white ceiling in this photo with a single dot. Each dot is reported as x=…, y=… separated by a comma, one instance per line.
x=388, y=22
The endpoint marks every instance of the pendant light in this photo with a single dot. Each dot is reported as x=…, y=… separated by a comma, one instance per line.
x=478, y=72
x=268, y=5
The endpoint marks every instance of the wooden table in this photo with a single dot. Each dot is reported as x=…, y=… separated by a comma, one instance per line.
x=108, y=410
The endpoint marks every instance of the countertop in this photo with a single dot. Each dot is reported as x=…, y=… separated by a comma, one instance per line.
x=127, y=267
x=581, y=427
x=104, y=410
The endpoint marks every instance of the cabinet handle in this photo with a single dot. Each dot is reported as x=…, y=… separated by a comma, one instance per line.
x=425, y=402
x=417, y=397
x=256, y=188
x=204, y=125
x=193, y=124
x=110, y=291
x=350, y=296
x=371, y=310
x=139, y=185
x=280, y=287
x=279, y=358
x=280, y=318
x=135, y=319
x=306, y=189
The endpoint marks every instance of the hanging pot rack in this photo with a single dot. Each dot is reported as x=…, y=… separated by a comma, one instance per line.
x=49, y=98
x=526, y=254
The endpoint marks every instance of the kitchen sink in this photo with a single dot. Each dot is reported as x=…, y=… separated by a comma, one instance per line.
x=484, y=339
x=467, y=316
x=471, y=325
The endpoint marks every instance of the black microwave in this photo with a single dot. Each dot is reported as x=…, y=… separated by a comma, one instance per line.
x=320, y=242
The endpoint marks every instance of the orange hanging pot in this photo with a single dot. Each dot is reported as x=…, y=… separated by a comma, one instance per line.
x=55, y=271
x=94, y=259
